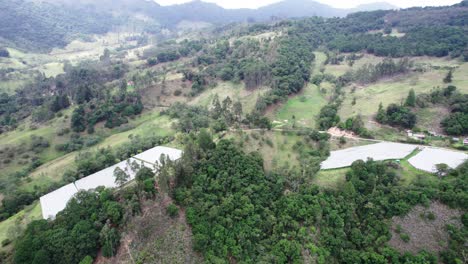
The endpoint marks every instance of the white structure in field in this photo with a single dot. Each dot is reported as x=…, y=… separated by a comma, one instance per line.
x=427, y=159
x=380, y=151
x=56, y=201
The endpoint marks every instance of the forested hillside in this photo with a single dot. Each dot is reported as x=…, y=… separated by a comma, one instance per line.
x=256, y=108
x=42, y=26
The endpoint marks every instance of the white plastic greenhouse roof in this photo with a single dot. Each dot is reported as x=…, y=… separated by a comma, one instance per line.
x=153, y=155
x=428, y=158
x=379, y=151
x=56, y=201
x=106, y=177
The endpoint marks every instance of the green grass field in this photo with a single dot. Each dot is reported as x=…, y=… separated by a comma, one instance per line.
x=330, y=179
x=301, y=110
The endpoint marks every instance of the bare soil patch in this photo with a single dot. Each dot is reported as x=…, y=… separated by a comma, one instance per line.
x=336, y=132
x=422, y=231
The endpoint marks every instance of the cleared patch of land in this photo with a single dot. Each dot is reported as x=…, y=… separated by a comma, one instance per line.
x=330, y=179
x=154, y=237
x=424, y=228
x=278, y=149
x=301, y=110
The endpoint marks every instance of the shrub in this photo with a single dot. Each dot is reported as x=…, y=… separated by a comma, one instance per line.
x=405, y=237
x=172, y=210
x=6, y=242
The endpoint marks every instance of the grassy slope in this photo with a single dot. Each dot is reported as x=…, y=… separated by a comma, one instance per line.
x=279, y=153
x=304, y=106
x=395, y=90
x=236, y=92
x=19, y=220
x=150, y=123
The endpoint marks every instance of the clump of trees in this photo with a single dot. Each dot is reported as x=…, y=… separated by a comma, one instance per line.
x=370, y=73
x=219, y=117
x=328, y=116
x=89, y=222
x=356, y=125
x=396, y=115
x=114, y=112
x=455, y=123
x=238, y=212
x=84, y=85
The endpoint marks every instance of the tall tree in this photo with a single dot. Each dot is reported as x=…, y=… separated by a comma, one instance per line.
x=78, y=123
x=448, y=77
x=411, y=99
x=121, y=177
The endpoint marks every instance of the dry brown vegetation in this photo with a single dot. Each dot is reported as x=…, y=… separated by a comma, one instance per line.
x=425, y=227
x=155, y=237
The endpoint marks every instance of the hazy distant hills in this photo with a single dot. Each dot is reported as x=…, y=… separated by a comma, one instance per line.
x=43, y=24
x=212, y=13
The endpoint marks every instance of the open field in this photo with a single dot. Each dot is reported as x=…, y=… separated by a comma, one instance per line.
x=330, y=179
x=301, y=110
x=277, y=148
x=395, y=90
x=343, y=67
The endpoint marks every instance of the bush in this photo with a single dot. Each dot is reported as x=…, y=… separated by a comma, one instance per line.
x=405, y=237
x=6, y=242
x=172, y=210
x=4, y=53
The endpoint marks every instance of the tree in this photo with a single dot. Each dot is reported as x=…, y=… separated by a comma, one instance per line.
x=121, y=177
x=381, y=117
x=172, y=210
x=237, y=111
x=78, y=122
x=442, y=169
x=411, y=99
x=205, y=141
x=110, y=240
x=448, y=77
